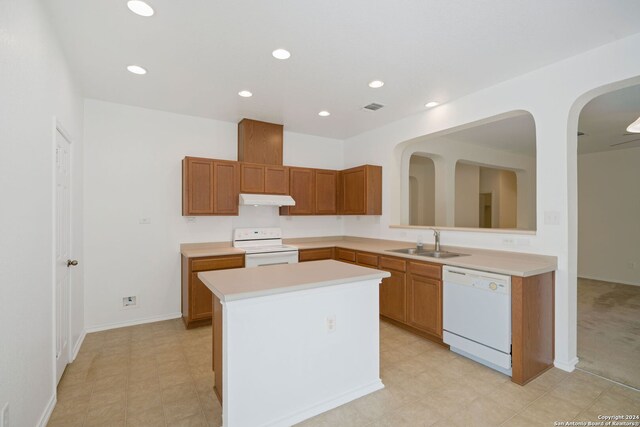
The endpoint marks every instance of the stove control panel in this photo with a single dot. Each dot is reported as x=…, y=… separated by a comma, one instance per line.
x=257, y=233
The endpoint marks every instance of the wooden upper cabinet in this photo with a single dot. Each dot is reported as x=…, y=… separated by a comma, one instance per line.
x=260, y=142
x=226, y=178
x=197, y=186
x=276, y=180
x=302, y=189
x=251, y=178
x=326, y=200
x=360, y=191
x=263, y=179
x=210, y=187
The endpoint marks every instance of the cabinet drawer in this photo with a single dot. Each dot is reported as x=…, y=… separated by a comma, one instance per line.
x=367, y=259
x=426, y=270
x=217, y=263
x=393, y=264
x=315, y=254
x=345, y=255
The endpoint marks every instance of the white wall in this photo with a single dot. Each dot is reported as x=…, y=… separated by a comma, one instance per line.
x=609, y=216
x=36, y=85
x=554, y=95
x=133, y=170
x=467, y=195
x=422, y=170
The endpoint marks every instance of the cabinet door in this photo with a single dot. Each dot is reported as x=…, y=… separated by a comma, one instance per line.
x=251, y=178
x=197, y=186
x=352, y=192
x=260, y=142
x=276, y=180
x=425, y=304
x=325, y=192
x=301, y=188
x=226, y=187
x=393, y=293
x=201, y=299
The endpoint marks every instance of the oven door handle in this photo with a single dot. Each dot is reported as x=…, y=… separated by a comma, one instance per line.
x=271, y=254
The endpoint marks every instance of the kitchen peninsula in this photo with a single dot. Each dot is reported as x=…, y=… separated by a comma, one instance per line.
x=295, y=340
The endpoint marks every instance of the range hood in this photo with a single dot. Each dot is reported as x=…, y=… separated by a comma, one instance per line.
x=266, y=200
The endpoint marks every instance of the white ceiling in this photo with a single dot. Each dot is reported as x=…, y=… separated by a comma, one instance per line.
x=200, y=53
x=604, y=121
x=514, y=134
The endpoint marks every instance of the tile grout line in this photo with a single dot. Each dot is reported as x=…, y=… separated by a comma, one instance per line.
x=524, y=408
x=608, y=379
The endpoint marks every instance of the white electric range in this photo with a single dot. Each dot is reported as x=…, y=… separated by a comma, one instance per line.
x=263, y=246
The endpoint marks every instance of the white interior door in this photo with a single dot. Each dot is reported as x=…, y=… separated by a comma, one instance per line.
x=63, y=261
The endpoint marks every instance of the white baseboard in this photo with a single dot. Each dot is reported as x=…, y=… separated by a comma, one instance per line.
x=566, y=366
x=44, y=419
x=76, y=348
x=602, y=279
x=107, y=326
x=326, y=405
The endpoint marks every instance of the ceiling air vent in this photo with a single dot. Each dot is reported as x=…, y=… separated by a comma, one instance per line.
x=373, y=106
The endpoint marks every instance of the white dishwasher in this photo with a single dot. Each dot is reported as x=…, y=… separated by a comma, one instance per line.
x=477, y=316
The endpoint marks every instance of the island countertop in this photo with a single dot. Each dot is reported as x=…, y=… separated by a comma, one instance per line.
x=242, y=283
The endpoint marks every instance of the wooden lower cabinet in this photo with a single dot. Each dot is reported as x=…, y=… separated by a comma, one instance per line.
x=315, y=254
x=346, y=255
x=196, y=297
x=393, y=290
x=425, y=304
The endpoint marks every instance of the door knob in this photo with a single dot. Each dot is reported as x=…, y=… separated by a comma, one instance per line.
x=71, y=262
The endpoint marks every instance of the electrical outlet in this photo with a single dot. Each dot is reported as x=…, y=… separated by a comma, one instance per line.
x=4, y=416
x=508, y=241
x=145, y=220
x=552, y=218
x=191, y=219
x=331, y=323
x=631, y=265
x=130, y=302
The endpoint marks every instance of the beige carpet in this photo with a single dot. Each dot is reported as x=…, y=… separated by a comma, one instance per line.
x=609, y=330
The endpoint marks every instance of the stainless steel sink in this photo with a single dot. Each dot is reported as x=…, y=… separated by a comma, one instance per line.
x=440, y=254
x=410, y=251
x=430, y=254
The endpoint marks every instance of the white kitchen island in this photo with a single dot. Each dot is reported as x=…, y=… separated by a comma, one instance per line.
x=292, y=341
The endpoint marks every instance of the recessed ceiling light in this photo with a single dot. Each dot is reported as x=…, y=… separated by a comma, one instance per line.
x=245, y=94
x=324, y=113
x=634, y=127
x=136, y=69
x=431, y=104
x=140, y=8
x=281, y=54
x=376, y=84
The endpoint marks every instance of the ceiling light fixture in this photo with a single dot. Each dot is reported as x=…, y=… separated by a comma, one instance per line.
x=140, y=8
x=281, y=54
x=136, y=69
x=634, y=127
x=324, y=113
x=431, y=104
x=245, y=94
x=376, y=84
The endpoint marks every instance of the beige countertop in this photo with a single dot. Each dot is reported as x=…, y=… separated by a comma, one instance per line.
x=242, y=283
x=511, y=263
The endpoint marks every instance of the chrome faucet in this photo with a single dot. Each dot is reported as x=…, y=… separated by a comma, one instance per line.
x=436, y=234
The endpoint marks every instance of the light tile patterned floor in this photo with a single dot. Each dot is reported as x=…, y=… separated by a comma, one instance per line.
x=159, y=375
